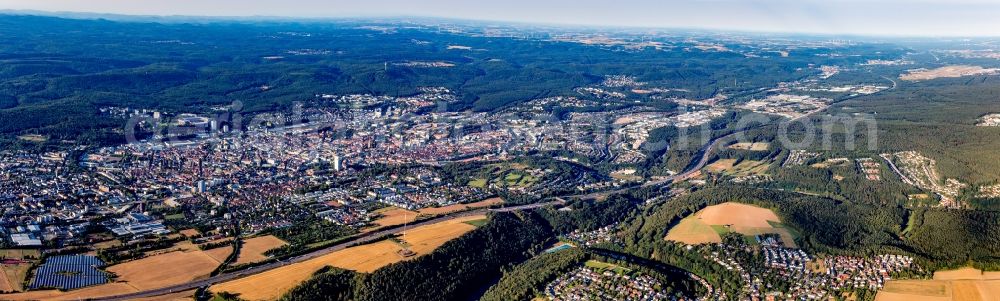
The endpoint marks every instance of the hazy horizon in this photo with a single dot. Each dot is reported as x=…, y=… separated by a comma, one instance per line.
x=929, y=18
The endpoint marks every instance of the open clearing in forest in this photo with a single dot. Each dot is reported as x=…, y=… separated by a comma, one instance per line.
x=422, y=240
x=721, y=165
x=706, y=225
x=751, y=146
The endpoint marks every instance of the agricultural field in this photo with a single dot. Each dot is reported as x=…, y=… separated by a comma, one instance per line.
x=460, y=207
x=219, y=254
x=190, y=232
x=166, y=269
x=966, y=284
x=109, y=289
x=708, y=225
x=751, y=146
x=392, y=216
x=137, y=275
x=691, y=230
x=178, y=296
x=422, y=240
x=15, y=270
x=253, y=249
x=187, y=246
x=13, y=276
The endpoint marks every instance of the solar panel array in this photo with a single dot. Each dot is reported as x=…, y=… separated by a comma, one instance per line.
x=69, y=272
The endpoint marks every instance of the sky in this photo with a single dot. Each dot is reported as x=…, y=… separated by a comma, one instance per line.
x=858, y=17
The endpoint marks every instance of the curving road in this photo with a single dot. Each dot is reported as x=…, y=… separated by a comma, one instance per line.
x=706, y=154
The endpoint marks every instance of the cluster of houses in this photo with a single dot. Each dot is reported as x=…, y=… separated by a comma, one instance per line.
x=585, y=283
x=590, y=238
x=870, y=273
x=871, y=168
x=806, y=277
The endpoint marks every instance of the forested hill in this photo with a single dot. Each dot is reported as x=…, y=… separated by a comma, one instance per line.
x=56, y=73
x=939, y=237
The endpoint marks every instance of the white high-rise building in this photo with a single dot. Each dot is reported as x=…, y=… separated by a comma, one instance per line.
x=338, y=163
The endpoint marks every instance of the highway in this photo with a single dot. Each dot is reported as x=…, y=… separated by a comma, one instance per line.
x=363, y=238
x=706, y=154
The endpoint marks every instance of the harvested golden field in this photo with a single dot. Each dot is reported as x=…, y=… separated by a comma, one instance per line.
x=991, y=275
x=738, y=215
x=14, y=275
x=947, y=71
x=692, y=230
x=393, y=216
x=253, y=249
x=138, y=275
x=966, y=273
x=967, y=290
x=915, y=290
x=185, y=295
x=751, y=146
x=5, y=284
x=110, y=289
x=165, y=269
x=190, y=232
x=422, y=240
x=728, y=217
x=220, y=254
x=461, y=207
x=965, y=284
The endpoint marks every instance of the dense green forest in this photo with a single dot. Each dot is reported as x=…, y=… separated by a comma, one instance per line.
x=526, y=280
x=588, y=215
x=55, y=86
x=936, y=118
x=457, y=270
